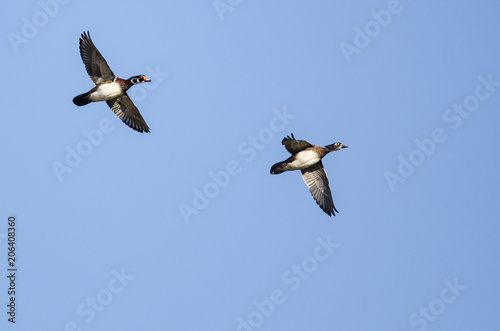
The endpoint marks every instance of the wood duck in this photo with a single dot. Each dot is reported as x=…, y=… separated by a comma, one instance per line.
x=108, y=87
x=307, y=158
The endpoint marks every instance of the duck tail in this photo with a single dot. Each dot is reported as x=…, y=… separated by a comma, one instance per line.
x=82, y=99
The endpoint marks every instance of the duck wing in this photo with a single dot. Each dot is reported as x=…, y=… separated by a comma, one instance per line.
x=95, y=64
x=126, y=110
x=293, y=145
x=317, y=181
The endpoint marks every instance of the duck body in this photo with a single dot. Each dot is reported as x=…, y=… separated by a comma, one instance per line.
x=104, y=91
x=109, y=87
x=307, y=158
x=302, y=160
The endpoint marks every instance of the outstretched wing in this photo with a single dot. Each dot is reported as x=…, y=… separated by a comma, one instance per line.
x=128, y=113
x=317, y=181
x=95, y=64
x=294, y=146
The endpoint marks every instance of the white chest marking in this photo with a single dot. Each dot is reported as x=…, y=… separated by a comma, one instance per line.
x=106, y=92
x=304, y=159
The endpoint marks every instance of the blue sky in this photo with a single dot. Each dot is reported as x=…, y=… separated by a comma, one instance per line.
x=412, y=87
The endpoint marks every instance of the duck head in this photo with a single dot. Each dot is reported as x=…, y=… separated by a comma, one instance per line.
x=139, y=79
x=277, y=168
x=335, y=147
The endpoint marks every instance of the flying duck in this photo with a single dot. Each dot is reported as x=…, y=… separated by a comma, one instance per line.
x=307, y=158
x=108, y=87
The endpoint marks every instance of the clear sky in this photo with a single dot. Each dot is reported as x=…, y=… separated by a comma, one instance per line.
x=184, y=228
